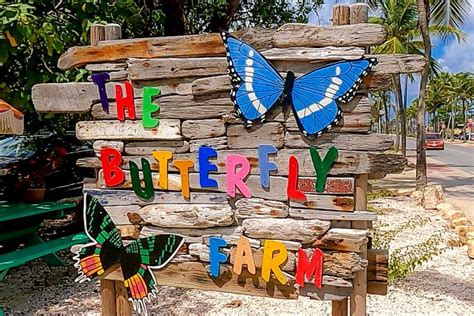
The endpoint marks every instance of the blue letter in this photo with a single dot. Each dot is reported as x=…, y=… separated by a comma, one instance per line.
x=265, y=165
x=100, y=79
x=205, y=167
x=216, y=257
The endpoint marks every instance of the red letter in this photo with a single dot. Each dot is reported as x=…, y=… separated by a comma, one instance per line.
x=236, y=179
x=292, y=188
x=111, y=160
x=307, y=269
x=123, y=102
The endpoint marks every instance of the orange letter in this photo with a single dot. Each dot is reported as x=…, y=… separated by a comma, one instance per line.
x=111, y=160
x=183, y=166
x=271, y=263
x=243, y=255
x=307, y=269
x=162, y=157
x=123, y=102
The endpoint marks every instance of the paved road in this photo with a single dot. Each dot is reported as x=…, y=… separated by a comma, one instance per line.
x=456, y=156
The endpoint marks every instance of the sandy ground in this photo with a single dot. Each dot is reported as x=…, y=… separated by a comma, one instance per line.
x=442, y=286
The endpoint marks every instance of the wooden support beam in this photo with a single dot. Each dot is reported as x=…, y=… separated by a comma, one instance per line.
x=97, y=33
x=123, y=305
x=107, y=294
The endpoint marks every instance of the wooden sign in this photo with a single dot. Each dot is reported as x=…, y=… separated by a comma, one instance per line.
x=262, y=192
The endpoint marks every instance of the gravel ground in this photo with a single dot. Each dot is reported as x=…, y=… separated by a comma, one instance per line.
x=442, y=286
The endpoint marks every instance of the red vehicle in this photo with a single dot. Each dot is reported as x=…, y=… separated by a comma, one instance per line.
x=433, y=141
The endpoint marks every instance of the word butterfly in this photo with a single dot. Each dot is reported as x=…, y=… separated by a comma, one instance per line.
x=257, y=87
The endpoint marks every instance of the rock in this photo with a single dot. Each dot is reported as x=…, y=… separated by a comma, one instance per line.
x=460, y=221
x=444, y=207
x=432, y=196
x=470, y=248
x=470, y=235
x=453, y=214
x=417, y=197
x=461, y=231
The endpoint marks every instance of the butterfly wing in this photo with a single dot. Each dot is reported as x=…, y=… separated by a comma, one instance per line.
x=137, y=259
x=314, y=95
x=256, y=84
x=94, y=258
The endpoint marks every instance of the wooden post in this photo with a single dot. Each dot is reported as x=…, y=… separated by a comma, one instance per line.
x=97, y=33
x=359, y=13
x=358, y=306
x=113, y=32
x=341, y=14
x=107, y=294
x=124, y=306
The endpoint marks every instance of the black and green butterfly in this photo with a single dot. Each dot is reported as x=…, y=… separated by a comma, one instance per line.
x=135, y=259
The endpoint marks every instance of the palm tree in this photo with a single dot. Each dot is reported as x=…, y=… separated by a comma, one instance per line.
x=464, y=89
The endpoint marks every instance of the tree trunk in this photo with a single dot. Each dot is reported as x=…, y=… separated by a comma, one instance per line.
x=396, y=122
x=401, y=112
x=464, y=118
x=421, y=177
x=175, y=21
x=453, y=120
x=387, y=115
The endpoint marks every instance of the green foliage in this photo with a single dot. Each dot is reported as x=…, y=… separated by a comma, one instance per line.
x=381, y=193
x=404, y=261
x=33, y=34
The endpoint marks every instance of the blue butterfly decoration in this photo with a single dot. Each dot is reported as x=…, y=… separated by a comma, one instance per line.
x=257, y=87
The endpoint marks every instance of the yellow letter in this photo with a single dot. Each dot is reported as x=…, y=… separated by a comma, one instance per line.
x=271, y=263
x=243, y=255
x=162, y=157
x=183, y=167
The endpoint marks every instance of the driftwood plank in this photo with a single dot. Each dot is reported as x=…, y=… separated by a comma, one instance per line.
x=211, y=44
x=105, y=67
x=168, y=129
x=342, y=239
x=314, y=53
x=198, y=129
x=74, y=97
x=98, y=145
x=304, y=35
x=342, y=141
x=326, y=202
x=333, y=288
x=147, y=147
x=109, y=197
x=271, y=133
x=253, y=208
x=333, y=185
x=218, y=143
x=307, y=213
x=171, y=68
x=304, y=231
x=187, y=215
x=348, y=162
x=195, y=275
x=377, y=269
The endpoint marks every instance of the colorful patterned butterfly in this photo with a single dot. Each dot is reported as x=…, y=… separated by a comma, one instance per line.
x=135, y=259
x=258, y=86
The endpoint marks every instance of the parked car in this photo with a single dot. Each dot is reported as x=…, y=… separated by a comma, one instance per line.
x=433, y=141
x=42, y=165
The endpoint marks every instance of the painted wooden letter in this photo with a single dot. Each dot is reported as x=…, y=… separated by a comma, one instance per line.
x=162, y=157
x=265, y=165
x=306, y=269
x=204, y=153
x=292, y=185
x=149, y=107
x=322, y=167
x=215, y=256
x=272, y=263
x=125, y=102
x=243, y=255
x=100, y=79
x=111, y=160
x=236, y=179
x=183, y=166
x=146, y=194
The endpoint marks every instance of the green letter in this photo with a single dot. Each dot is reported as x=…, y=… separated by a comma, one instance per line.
x=322, y=167
x=147, y=193
x=149, y=107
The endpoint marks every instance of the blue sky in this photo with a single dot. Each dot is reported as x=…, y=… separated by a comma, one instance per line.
x=453, y=56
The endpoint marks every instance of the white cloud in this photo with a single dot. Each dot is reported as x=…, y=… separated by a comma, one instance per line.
x=457, y=57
